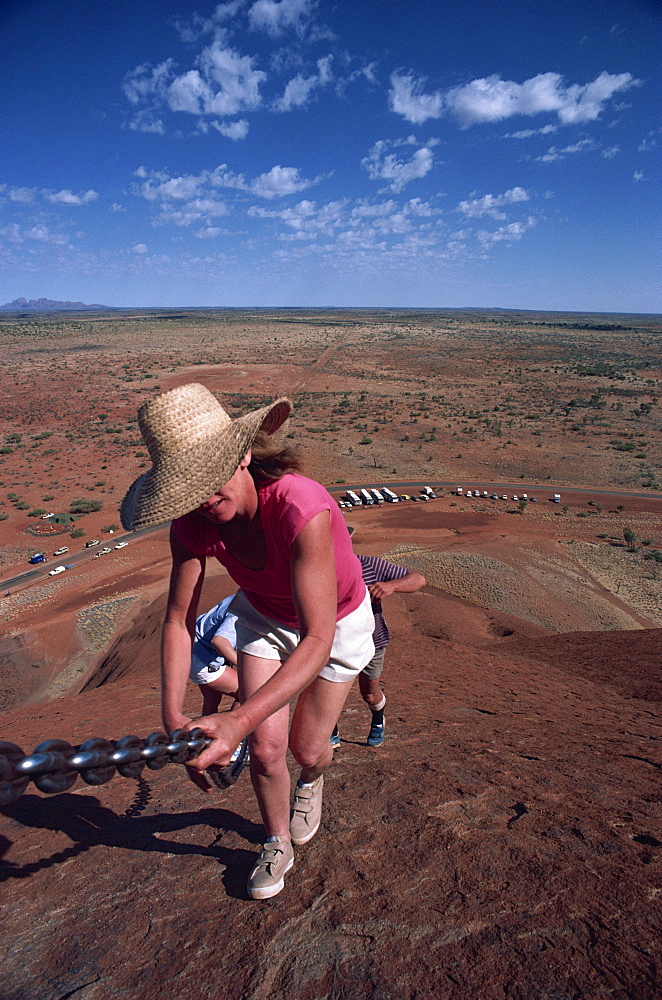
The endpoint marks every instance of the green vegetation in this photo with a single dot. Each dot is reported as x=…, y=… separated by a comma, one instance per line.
x=84, y=506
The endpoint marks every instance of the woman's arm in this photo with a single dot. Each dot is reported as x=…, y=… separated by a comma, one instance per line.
x=315, y=592
x=186, y=577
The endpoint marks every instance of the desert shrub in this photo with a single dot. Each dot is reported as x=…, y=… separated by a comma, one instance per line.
x=48, y=497
x=6, y=450
x=37, y=512
x=22, y=505
x=77, y=533
x=3, y=516
x=365, y=440
x=110, y=527
x=84, y=506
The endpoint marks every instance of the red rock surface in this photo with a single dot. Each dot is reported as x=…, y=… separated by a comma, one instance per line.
x=504, y=842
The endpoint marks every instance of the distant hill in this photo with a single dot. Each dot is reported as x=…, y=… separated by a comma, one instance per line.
x=46, y=305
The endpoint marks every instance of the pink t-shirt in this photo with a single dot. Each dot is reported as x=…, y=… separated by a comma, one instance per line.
x=286, y=505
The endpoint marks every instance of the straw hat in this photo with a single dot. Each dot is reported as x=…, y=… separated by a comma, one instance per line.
x=195, y=447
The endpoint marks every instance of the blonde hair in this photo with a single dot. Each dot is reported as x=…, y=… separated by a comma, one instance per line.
x=271, y=459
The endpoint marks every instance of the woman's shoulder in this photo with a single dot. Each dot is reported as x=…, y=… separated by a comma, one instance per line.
x=193, y=531
x=295, y=488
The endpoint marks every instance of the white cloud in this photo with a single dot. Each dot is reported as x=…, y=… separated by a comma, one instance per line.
x=382, y=165
x=491, y=99
x=12, y=233
x=361, y=225
x=140, y=248
x=610, y=153
x=223, y=83
x=638, y=175
x=209, y=233
x=116, y=207
x=491, y=205
x=23, y=195
x=222, y=176
x=280, y=181
x=554, y=153
x=299, y=89
x=232, y=130
x=526, y=133
x=66, y=197
x=44, y=235
x=513, y=231
x=144, y=82
x=297, y=92
x=406, y=98
x=649, y=141
x=276, y=17
x=144, y=121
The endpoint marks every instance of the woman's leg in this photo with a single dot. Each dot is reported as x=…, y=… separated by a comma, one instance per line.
x=268, y=745
x=317, y=710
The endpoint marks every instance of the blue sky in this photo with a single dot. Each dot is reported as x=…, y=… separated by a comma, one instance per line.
x=304, y=152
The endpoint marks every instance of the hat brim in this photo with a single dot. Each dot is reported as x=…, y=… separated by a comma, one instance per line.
x=177, y=487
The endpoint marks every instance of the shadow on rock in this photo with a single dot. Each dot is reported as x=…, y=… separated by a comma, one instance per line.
x=89, y=824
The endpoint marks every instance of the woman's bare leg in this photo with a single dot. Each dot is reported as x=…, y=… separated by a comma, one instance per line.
x=268, y=744
x=317, y=710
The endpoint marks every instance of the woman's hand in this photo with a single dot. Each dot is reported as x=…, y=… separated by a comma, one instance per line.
x=226, y=734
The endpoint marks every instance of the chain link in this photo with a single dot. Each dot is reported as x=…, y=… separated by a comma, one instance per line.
x=55, y=765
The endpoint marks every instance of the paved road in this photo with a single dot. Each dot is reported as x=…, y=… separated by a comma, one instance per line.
x=41, y=570
x=400, y=486
x=542, y=492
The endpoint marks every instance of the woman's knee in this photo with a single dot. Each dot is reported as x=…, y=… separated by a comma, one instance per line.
x=267, y=754
x=307, y=753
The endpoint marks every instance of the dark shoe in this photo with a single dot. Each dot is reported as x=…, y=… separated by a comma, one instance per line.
x=268, y=875
x=376, y=734
x=306, y=812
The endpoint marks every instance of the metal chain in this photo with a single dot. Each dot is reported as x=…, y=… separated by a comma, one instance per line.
x=55, y=765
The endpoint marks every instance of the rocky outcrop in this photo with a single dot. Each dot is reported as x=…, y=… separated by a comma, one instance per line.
x=502, y=843
x=42, y=305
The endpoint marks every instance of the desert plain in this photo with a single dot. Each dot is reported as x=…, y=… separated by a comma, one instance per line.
x=505, y=840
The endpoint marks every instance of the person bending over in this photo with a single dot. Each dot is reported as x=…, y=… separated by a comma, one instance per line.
x=214, y=655
x=304, y=621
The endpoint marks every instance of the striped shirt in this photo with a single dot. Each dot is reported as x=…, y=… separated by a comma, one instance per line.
x=376, y=570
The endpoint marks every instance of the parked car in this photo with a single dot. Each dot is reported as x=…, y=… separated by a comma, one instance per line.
x=61, y=550
x=532, y=500
x=504, y=497
x=56, y=570
x=123, y=545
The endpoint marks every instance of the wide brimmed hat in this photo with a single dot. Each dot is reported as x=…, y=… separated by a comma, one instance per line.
x=195, y=447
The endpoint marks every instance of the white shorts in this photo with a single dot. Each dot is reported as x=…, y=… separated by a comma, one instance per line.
x=204, y=671
x=352, y=647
